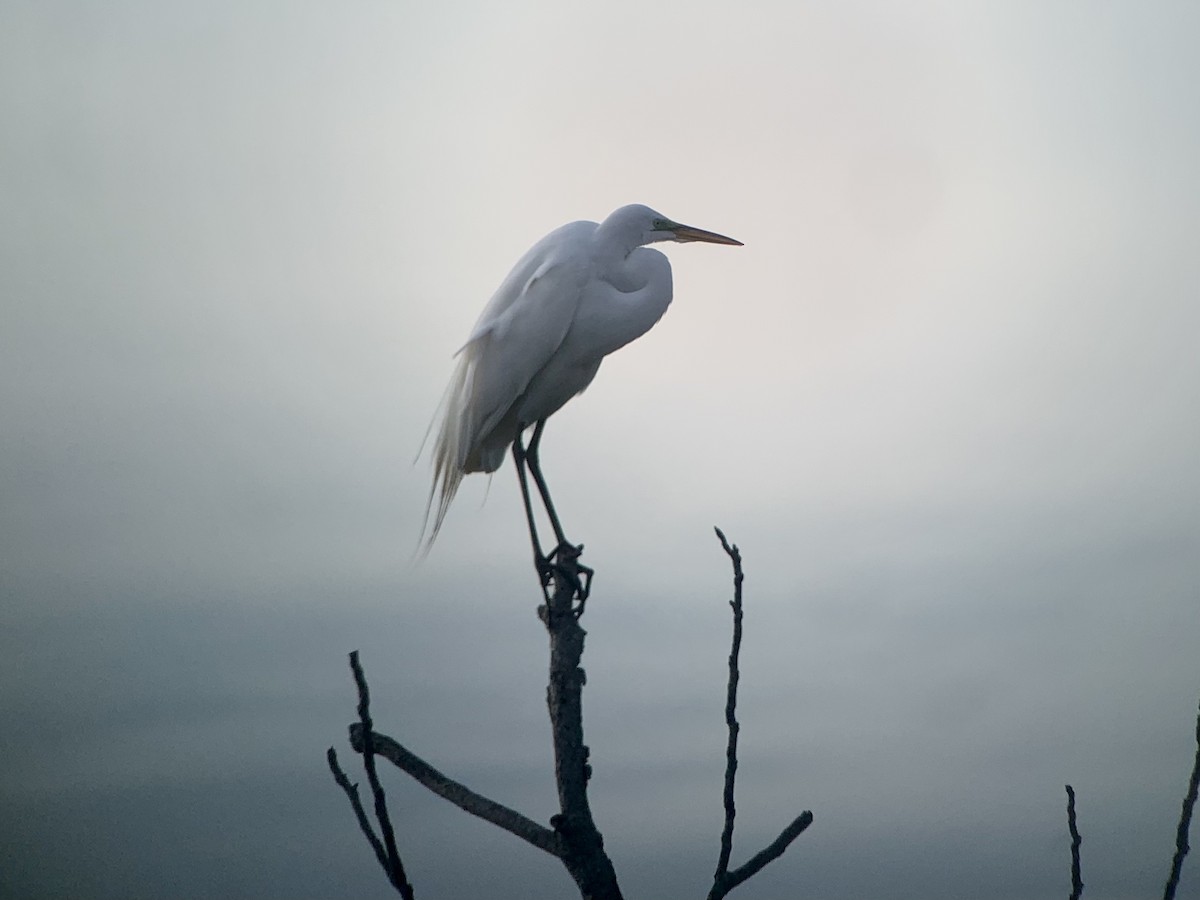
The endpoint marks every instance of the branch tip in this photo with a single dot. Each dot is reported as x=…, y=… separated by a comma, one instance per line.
x=1076, y=840
x=1185, y=821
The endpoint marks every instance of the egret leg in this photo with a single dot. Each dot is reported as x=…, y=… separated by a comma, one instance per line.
x=582, y=585
x=541, y=562
x=535, y=469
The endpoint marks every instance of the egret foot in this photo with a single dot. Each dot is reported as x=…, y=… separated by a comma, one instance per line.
x=546, y=568
x=564, y=563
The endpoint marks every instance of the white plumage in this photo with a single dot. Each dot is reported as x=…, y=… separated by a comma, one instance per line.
x=581, y=292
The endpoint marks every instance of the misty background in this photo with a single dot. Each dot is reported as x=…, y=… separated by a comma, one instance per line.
x=945, y=399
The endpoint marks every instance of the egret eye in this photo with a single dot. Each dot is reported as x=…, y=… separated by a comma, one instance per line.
x=663, y=225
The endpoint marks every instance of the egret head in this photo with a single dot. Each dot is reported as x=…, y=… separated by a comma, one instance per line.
x=638, y=225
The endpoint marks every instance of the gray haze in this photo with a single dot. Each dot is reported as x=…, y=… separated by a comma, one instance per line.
x=945, y=398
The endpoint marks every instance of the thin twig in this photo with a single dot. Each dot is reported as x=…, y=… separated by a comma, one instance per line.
x=1076, y=840
x=771, y=852
x=394, y=867
x=359, y=813
x=725, y=881
x=731, y=722
x=1185, y=822
x=459, y=794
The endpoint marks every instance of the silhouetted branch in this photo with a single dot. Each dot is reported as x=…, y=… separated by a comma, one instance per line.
x=459, y=794
x=395, y=868
x=385, y=850
x=725, y=881
x=574, y=838
x=361, y=814
x=731, y=722
x=1076, y=840
x=583, y=854
x=1185, y=822
x=771, y=852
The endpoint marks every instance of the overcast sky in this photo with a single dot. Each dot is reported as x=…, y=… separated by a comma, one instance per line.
x=946, y=398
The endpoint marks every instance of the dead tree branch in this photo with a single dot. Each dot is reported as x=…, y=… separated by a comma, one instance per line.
x=770, y=853
x=583, y=854
x=1076, y=840
x=731, y=721
x=458, y=794
x=364, y=823
x=573, y=836
x=385, y=850
x=725, y=881
x=1185, y=822
x=395, y=868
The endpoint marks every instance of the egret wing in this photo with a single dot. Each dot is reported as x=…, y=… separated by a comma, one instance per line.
x=506, y=353
x=564, y=245
x=519, y=331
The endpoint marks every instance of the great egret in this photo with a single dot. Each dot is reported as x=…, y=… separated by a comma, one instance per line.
x=581, y=292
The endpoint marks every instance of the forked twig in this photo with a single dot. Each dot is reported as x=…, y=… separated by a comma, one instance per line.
x=385, y=849
x=395, y=868
x=725, y=881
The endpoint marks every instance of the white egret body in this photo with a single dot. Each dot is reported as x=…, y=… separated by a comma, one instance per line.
x=581, y=292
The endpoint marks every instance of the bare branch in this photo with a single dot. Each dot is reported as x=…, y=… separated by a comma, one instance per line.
x=725, y=881
x=731, y=722
x=574, y=838
x=1076, y=840
x=1185, y=822
x=394, y=867
x=771, y=852
x=363, y=822
x=584, y=854
x=459, y=794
